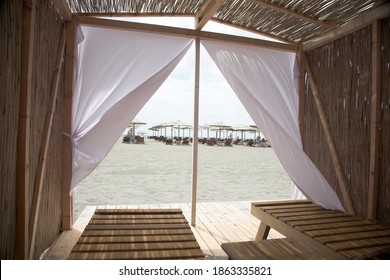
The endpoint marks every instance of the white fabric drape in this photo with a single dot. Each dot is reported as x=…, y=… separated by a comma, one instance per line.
x=263, y=80
x=117, y=72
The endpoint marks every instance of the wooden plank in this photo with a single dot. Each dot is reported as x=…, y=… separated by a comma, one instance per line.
x=335, y=231
x=23, y=140
x=284, y=203
x=140, y=255
x=135, y=227
x=286, y=214
x=138, y=246
x=301, y=208
x=248, y=225
x=353, y=236
x=361, y=243
x=137, y=211
x=243, y=251
x=138, y=232
x=135, y=239
x=312, y=217
x=331, y=225
x=144, y=246
x=136, y=217
x=37, y=195
x=229, y=233
x=200, y=229
x=357, y=23
x=222, y=220
x=365, y=253
x=375, y=121
x=295, y=224
x=207, y=243
x=67, y=203
x=182, y=32
x=288, y=249
x=138, y=221
x=346, y=199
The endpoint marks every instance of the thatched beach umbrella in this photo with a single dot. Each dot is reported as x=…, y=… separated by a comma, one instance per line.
x=154, y=129
x=220, y=126
x=181, y=125
x=170, y=124
x=207, y=128
x=256, y=129
x=134, y=123
x=243, y=129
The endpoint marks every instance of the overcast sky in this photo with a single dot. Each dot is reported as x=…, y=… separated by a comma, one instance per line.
x=175, y=98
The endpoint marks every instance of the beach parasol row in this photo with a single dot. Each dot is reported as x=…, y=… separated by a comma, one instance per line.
x=219, y=127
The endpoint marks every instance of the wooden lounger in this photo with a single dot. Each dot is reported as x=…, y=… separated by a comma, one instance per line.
x=312, y=233
x=132, y=234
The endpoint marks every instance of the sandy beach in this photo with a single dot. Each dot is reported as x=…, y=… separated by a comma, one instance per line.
x=155, y=173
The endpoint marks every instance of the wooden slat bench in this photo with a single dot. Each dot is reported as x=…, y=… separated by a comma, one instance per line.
x=137, y=234
x=312, y=233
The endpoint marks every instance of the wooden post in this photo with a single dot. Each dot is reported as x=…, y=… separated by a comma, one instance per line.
x=196, y=129
x=36, y=202
x=375, y=121
x=262, y=232
x=23, y=156
x=329, y=139
x=67, y=212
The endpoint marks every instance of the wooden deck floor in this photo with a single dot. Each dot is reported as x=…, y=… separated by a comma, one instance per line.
x=217, y=223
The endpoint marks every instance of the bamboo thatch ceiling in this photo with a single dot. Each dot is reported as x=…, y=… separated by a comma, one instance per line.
x=295, y=21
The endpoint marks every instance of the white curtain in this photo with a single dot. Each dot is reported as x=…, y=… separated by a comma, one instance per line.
x=263, y=79
x=117, y=72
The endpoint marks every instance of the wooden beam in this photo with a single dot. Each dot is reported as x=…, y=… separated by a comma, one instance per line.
x=63, y=9
x=23, y=151
x=182, y=32
x=295, y=14
x=206, y=13
x=358, y=23
x=67, y=212
x=329, y=139
x=36, y=202
x=375, y=121
x=271, y=36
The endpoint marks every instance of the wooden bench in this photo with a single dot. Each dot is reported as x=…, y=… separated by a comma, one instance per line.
x=312, y=233
x=137, y=234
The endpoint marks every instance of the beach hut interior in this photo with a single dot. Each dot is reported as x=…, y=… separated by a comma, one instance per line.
x=327, y=111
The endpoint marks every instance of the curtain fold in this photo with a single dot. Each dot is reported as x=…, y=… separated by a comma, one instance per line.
x=265, y=82
x=117, y=72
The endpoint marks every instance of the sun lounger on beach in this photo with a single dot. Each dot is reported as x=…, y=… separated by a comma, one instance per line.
x=311, y=232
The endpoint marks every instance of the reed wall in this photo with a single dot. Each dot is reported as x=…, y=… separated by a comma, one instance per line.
x=48, y=28
x=384, y=155
x=342, y=71
x=10, y=59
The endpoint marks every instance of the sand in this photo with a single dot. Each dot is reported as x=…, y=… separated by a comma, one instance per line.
x=155, y=173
